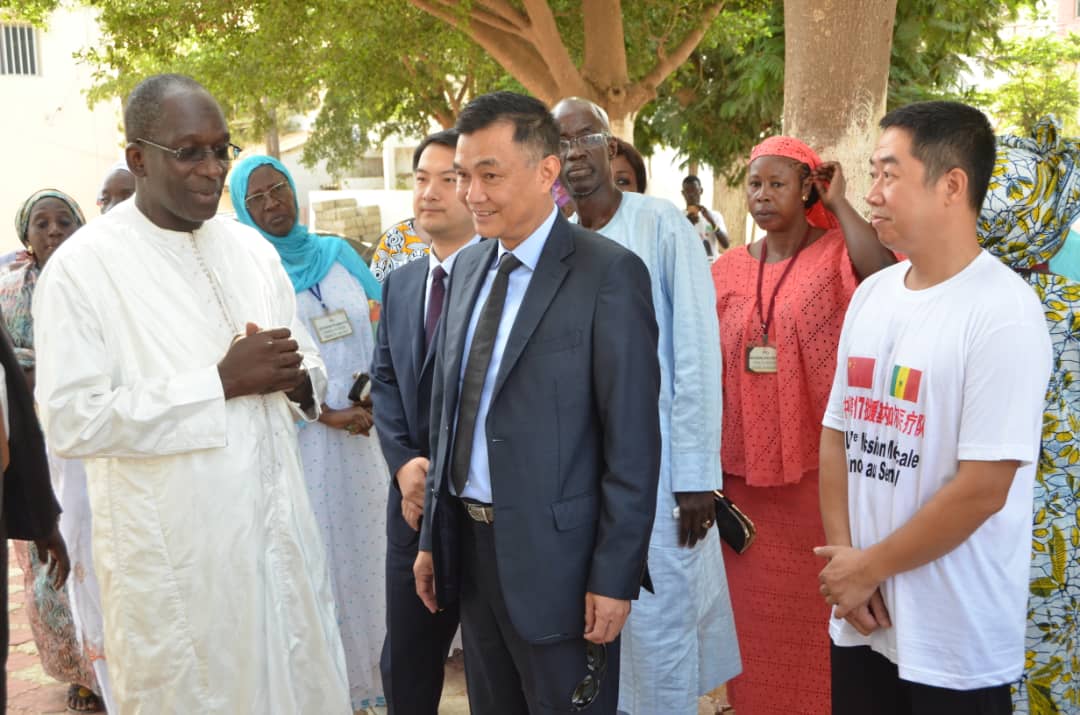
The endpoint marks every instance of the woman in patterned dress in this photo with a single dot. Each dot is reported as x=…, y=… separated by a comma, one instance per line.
x=343, y=465
x=45, y=220
x=401, y=243
x=1033, y=199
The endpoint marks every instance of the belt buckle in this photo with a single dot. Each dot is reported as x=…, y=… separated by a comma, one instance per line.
x=480, y=513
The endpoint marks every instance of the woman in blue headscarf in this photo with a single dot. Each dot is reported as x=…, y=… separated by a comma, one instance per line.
x=343, y=464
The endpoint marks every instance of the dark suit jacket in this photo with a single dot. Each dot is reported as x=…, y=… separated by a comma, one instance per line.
x=401, y=380
x=573, y=432
x=30, y=509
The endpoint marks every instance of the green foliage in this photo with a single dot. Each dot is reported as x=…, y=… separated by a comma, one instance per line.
x=35, y=12
x=389, y=68
x=381, y=67
x=730, y=95
x=1041, y=80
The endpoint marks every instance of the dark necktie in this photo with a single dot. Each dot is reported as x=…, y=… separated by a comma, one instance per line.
x=434, y=304
x=476, y=369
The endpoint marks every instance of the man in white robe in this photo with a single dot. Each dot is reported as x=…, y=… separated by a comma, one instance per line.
x=171, y=361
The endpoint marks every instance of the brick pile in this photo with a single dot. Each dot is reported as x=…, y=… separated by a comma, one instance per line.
x=360, y=225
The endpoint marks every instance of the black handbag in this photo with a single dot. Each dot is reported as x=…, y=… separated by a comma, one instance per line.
x=735, y=527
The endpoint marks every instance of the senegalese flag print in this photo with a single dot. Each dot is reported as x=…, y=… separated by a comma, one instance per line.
x=860, y=372
x=905, y=383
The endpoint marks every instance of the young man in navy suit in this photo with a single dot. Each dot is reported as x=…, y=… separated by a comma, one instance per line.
x=417, y=641
x=545, y=449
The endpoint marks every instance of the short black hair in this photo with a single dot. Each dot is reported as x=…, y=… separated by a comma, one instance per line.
x=143, y=110
x=946, y=136
x=447, y=138
x=692, y=177
x=633, y=157
x=533, y=124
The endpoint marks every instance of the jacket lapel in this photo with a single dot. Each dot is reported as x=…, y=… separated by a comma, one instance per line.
x=468, y=275
x=548, y=276
x=416, y=324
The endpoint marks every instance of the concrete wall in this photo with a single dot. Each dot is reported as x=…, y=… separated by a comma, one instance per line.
x=52, y=138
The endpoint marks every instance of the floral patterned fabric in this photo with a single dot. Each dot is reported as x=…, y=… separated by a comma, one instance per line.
x=398, y=245
x=1034, y=197
x=50, y=619
x=16, y=296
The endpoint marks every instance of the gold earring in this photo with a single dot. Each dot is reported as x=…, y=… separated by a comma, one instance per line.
x=30, y=250
x=805, y=197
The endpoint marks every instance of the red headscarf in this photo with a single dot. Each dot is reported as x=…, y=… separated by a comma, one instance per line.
x=792, y=148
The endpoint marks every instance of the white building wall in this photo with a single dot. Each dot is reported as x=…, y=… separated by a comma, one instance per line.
x=52, y=138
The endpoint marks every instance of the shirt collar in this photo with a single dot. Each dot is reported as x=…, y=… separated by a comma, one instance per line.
x=448, y=262
x=529, y=250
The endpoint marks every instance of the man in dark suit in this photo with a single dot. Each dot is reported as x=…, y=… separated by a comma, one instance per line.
x=417, y=641
x=545, y=431
x=29, y=510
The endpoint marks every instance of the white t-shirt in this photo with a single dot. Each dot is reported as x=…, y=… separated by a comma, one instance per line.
x=926, y=378
x=706, y=230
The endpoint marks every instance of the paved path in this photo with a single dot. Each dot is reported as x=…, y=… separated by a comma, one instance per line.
x=31, y=692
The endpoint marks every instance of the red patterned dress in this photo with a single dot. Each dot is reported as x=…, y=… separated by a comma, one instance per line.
x=771, y=430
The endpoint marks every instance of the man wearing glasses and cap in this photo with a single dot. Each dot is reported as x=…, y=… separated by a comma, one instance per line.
x=170, y=360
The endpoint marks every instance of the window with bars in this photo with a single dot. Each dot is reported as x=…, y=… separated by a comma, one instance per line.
x=18, y=50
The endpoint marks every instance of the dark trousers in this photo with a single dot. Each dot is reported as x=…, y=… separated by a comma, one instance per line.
x=3, y=615
x=417, y=641
x=505, y=674
x=864, y=681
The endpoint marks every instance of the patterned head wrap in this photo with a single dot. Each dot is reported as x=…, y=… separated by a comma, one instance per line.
x=22, y=216
x=1034, y=196
x=791, y=148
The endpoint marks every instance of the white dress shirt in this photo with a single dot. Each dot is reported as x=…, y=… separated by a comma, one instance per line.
x=478, y=484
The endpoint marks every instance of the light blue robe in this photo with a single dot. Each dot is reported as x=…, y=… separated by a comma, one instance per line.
x=679, y=643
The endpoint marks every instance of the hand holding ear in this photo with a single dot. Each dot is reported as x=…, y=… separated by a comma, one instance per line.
x=829, y=181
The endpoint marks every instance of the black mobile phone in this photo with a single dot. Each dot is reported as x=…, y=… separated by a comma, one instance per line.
x=361, y=388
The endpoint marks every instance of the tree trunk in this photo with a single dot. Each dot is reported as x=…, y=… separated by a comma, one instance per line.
x=849, y=42
x=730, y=201
x=623, y=127
x=273, y=138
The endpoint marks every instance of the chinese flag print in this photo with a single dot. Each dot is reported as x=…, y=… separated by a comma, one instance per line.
x=860, y=372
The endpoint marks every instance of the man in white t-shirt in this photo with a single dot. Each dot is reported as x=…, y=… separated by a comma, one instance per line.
x=931, y=438
x=709, y=225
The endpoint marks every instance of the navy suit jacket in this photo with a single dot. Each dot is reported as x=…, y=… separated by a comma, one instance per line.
x=573, y=432
x=401, y=380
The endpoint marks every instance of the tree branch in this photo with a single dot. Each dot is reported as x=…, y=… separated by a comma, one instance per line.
x=527, y=61
x=504, y=11
x=457, y=101
x=605, y=45
x=668, y=64
x=445, y=11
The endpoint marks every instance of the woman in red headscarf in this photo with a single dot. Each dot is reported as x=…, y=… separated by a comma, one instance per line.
x=781, y=303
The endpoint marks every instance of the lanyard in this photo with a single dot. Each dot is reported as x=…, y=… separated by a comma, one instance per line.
x=766, y=320
x=316, y=291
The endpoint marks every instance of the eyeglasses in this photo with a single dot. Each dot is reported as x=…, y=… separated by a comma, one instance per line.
x=277, y=192
x=586, y=141
x=589, y=687
x=197, y=154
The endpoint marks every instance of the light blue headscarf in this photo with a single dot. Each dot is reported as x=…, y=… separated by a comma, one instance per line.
x=307, y=256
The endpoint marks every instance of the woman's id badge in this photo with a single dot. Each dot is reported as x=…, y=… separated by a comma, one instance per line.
x=332, y=326
x=761, y=359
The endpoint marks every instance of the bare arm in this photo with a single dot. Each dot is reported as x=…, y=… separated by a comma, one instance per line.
x=950, y=517
x=867, y=254
x=832, y=488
